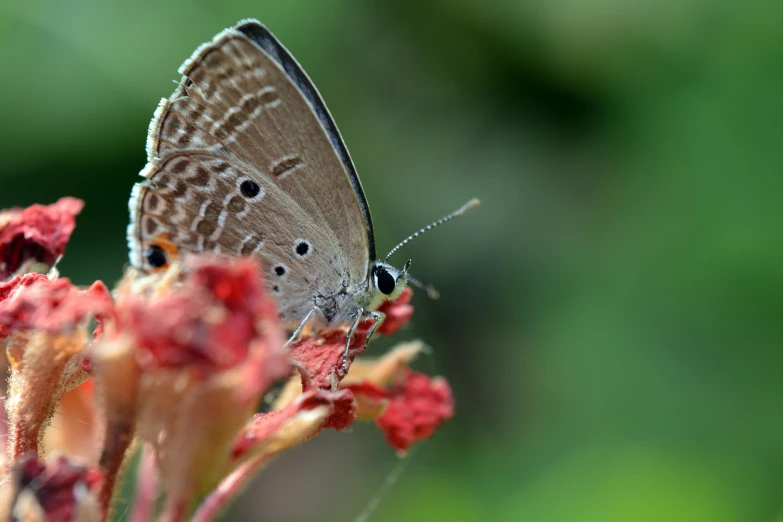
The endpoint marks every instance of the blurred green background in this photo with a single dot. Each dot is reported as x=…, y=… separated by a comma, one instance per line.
x=611, y=314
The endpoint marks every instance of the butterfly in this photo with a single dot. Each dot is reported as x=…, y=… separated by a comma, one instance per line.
x=245, y=159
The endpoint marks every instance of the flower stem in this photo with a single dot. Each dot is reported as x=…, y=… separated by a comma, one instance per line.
x=117, y=440
x=227, y=490
x=146, y=487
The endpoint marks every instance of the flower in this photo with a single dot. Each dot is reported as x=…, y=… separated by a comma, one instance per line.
x=48, y=320
x=207, y=322
x=205, y=344
x=408, y=406
x=34, y=302
x=37, y=233
x=8, y=288
x=418, y=405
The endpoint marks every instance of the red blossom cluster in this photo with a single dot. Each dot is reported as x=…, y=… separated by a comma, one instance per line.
x=180, y=363
x=36, y=233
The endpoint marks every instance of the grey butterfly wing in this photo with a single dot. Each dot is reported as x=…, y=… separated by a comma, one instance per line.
x=195, y=203
x=239, y=118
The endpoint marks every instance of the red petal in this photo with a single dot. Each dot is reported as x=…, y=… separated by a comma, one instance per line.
x=208, y=322
x=37, y=232
x=238, y=285
x=419, y=405
x=265, y=425
x=35, y=302
x=342, y=404
x=321, y=359
x=8, y=288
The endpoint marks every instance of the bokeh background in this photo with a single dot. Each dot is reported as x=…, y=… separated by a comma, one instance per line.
x=611, y=314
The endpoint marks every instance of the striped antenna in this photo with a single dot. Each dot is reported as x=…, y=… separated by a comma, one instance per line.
x=464, y=208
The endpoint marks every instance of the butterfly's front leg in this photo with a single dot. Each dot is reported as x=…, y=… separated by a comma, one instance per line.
x=359, y=314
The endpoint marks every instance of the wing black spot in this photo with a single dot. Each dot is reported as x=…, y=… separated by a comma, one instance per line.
x=302, y=248
x=156, y=257
x=250, y=188
x=280, y=270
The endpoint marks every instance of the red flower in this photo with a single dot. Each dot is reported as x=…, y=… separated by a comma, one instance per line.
x=48, y=319
x=205, y=344
x=37, y=233
x=33, y=302
x=208, y=322
x=8, y=288
x=418, y=406
x=58, y=488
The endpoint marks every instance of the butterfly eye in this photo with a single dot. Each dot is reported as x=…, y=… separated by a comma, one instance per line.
x=156, y=257
x=385, y=281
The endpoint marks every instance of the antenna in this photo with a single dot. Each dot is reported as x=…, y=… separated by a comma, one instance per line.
x=432, y=292
x=464, y=208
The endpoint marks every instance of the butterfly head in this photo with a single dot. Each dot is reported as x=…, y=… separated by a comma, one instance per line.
x=387, y=282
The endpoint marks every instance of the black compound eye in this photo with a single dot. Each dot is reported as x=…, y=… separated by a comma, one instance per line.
x=156, y=257
x=385, y=281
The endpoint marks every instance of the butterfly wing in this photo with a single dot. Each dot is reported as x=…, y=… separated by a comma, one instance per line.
x=242, y=160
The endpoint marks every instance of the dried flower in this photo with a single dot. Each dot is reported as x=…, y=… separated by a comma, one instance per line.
x=8, y=288
x=37, y=233
x=207, y=350
x=47, y=320
x=55, y=306
x=407, y=406
x=417, y=406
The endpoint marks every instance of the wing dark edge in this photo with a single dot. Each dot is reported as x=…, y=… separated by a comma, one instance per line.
x=261, y=36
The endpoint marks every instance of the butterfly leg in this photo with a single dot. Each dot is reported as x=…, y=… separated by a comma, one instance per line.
x=378, y=320
x=301, y=326
x=360, y=313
